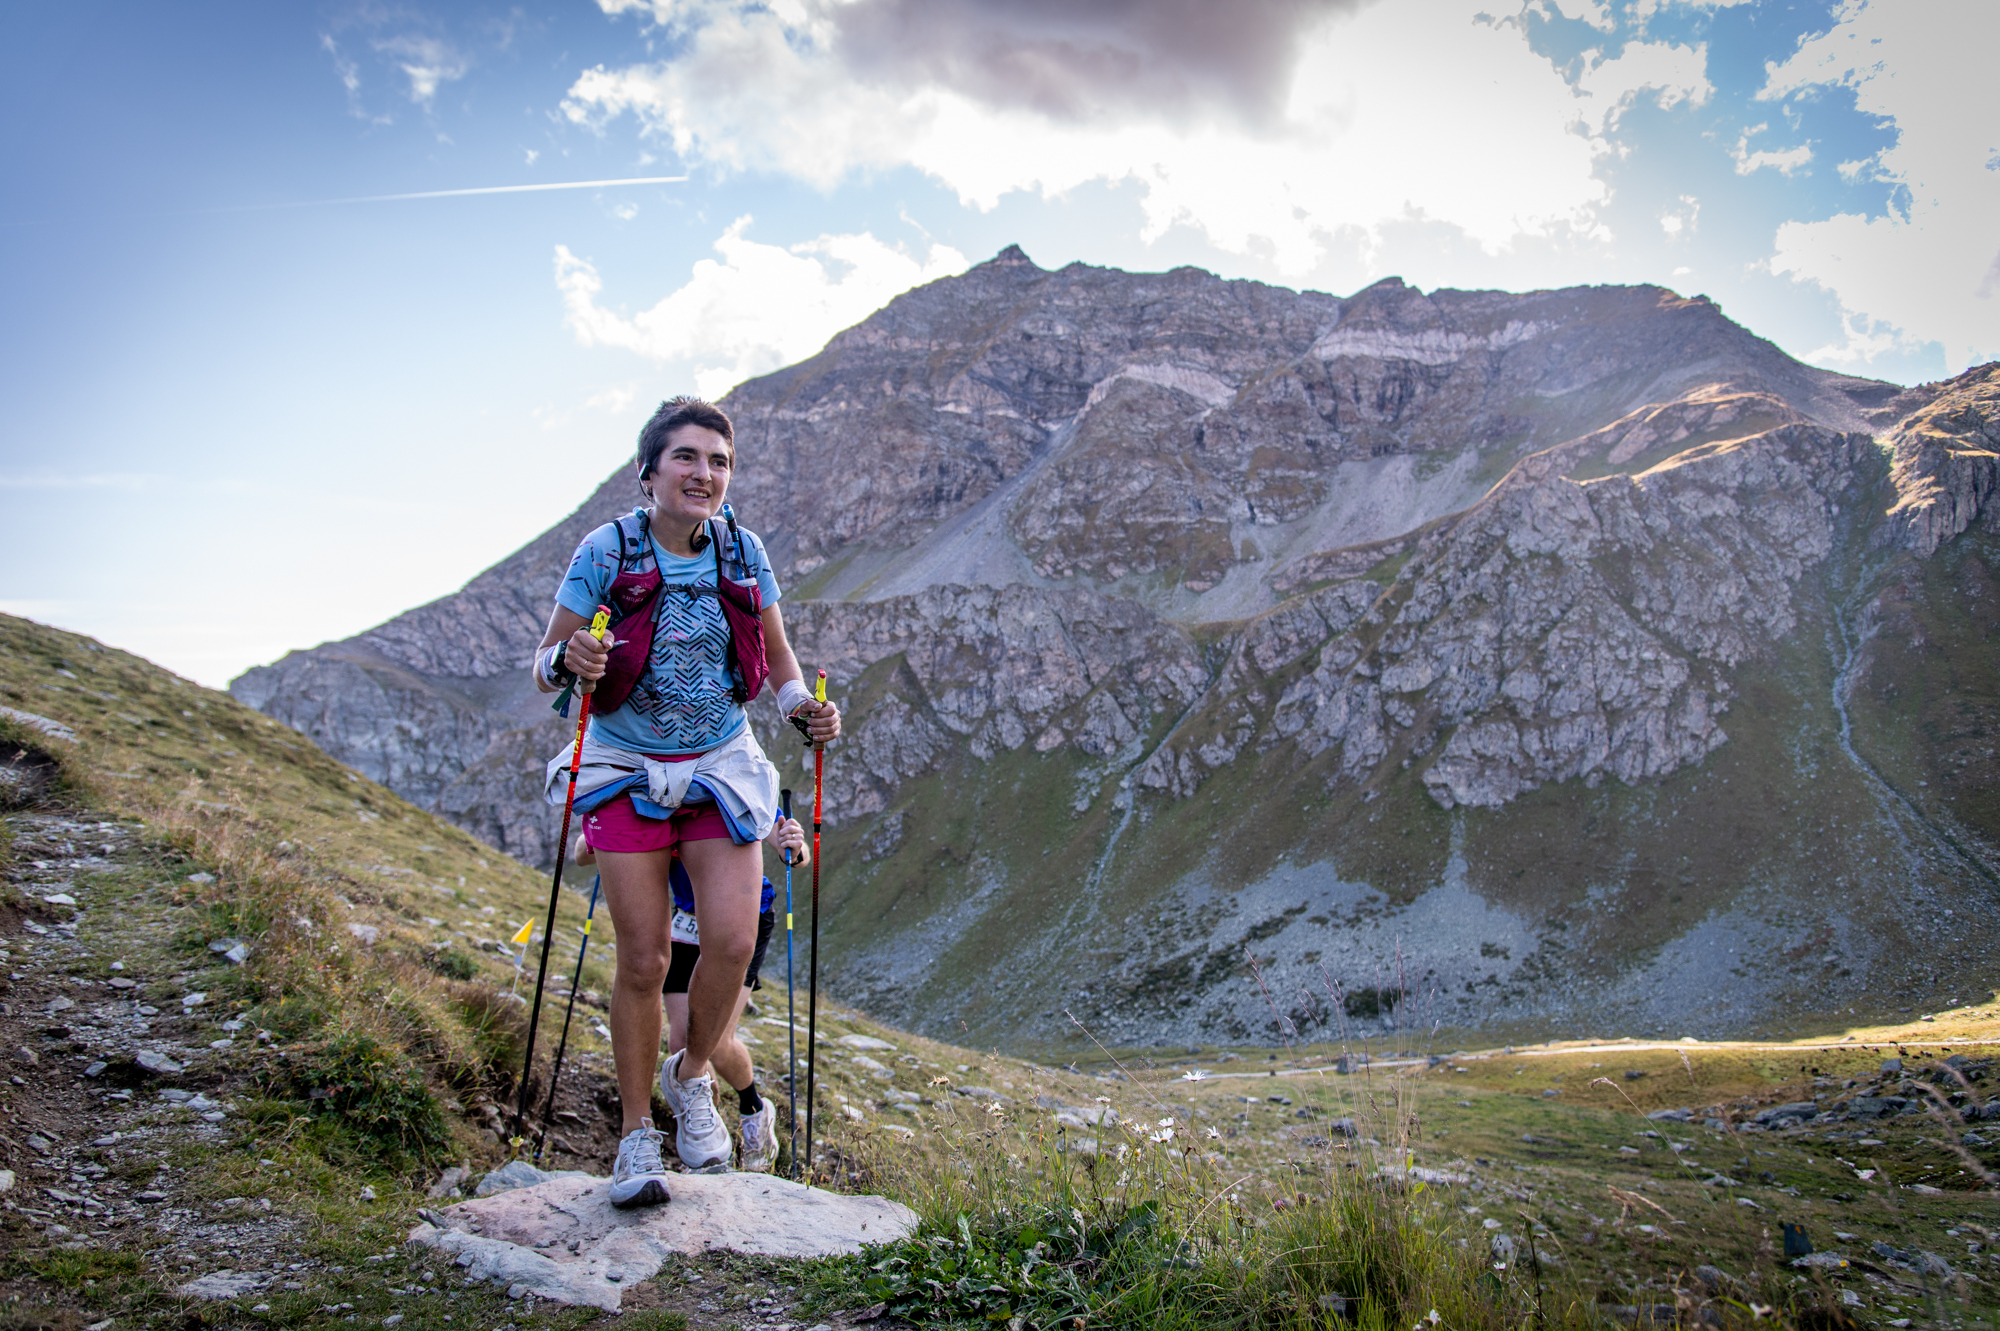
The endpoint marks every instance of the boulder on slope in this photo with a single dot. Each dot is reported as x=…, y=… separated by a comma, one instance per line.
x=563, y=1240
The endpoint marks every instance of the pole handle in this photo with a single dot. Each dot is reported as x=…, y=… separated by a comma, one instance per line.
x=819, y=695
x=600, y=623
x=785, y=815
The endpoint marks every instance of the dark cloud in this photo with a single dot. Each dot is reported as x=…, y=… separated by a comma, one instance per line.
x=1088, y=60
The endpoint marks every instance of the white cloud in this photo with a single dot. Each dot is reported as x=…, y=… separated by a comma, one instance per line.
x=1479, y=133
x=1682, y=223
x=349, y=72
x=1786, y=160
x=611, y=401
x=758, y=307
x=1923, y=269
x=1596, y=14
x=1670, y=73
x=427, y=62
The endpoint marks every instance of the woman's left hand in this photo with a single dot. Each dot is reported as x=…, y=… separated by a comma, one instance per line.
x=822, y=722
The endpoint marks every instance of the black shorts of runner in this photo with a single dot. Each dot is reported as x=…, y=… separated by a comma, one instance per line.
x=681, y=968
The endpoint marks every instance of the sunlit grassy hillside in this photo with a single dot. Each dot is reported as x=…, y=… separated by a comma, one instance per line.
x=1308, y=1185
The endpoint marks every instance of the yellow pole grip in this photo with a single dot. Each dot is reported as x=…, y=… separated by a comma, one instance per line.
x=600, y=624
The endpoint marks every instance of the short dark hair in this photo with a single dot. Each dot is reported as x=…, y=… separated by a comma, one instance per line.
x=674, y=413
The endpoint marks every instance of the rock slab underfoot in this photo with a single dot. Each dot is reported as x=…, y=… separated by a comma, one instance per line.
x=563, y=1240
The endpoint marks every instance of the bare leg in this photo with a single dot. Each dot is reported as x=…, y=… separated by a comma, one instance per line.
x=728, y=881
x=641, y=906
x=731, y=1059
x=677, y=1023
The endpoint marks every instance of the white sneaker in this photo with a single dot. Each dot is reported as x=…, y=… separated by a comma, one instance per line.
x=760, y=1138
x=699, y=1137
x=640, y=1176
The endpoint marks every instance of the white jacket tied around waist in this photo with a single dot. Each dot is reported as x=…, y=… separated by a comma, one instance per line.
x=735, y=774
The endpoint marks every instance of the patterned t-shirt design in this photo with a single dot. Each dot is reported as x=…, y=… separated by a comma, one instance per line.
x=686, y=695
x=684, y=702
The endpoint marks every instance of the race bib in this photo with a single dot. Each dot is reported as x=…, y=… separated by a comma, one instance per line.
x=686, y=929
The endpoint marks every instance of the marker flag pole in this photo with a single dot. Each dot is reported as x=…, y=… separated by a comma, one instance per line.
x=520, y=940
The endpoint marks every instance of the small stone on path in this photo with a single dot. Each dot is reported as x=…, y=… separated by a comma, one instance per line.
x=449, y=1181
x=863, y=1042
x=520, y=1174
x=223, y=1284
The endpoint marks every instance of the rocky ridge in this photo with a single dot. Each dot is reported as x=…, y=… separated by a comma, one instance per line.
x=1151, y=529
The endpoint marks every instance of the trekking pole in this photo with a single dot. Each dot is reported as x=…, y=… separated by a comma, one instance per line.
x=812, y=983
x=598, y=627
x=555, y=1073
x=791, y=1010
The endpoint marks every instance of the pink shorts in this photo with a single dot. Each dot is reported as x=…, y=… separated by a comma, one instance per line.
x=621, y=829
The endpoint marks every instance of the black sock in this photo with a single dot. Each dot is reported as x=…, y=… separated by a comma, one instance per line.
x=748, y=1101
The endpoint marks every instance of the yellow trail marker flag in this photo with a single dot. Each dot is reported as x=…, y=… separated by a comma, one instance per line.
x=527, y=932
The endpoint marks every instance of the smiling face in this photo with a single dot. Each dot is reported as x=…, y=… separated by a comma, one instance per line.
x=691, y=477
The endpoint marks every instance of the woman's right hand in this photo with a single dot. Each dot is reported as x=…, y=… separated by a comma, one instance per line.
x=586, y=656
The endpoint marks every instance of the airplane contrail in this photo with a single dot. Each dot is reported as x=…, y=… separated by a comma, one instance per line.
x=512, y=189
x=451, y=193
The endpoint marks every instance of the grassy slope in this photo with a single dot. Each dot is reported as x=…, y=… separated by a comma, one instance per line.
x=218, y=789
x=1927, y=706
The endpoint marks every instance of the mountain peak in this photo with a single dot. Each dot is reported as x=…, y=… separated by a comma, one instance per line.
x=1011, y=257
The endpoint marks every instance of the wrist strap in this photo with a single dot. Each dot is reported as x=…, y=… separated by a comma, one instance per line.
x=793, y=695
x=551, y=668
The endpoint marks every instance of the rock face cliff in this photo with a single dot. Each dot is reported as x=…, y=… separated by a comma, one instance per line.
x=1396, y=653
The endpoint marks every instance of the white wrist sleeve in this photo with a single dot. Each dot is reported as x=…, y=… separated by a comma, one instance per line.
x=792, y=695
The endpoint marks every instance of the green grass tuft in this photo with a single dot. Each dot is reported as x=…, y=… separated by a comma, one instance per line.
x=451, y=963
x=377, y=1095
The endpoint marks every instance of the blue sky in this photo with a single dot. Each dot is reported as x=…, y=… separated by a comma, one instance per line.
x=238, y=416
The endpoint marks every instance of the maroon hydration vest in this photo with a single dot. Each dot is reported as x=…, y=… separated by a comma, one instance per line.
x=634, y=598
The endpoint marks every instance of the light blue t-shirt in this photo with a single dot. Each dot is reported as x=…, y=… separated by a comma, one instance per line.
x=682, y=703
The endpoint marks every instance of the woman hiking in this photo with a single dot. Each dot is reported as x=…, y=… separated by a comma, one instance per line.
x=670, y=766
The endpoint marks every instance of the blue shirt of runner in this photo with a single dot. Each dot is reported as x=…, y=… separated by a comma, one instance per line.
x=682, y=704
